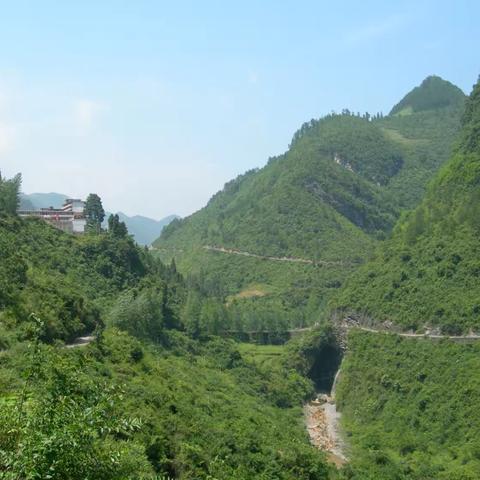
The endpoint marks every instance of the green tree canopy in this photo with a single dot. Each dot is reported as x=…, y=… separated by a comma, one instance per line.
x=10, y=194
x=117, y=228
x=94, y=212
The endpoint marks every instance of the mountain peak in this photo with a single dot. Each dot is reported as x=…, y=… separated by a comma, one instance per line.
x=432, y=94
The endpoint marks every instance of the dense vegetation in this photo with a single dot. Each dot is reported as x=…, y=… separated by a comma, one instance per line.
x=161, y=393
x=433, y=93
x=338, y=189
x=154, y=395
x=410, y=408
x=184, y=409
x=68, y=281
x=429, y=272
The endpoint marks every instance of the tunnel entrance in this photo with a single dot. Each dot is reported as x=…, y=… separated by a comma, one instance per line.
x=326, y=363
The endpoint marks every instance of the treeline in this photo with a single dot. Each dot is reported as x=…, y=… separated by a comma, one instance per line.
x=76, y=284
x=308, y=127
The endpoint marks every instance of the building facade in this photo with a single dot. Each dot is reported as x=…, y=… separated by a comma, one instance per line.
x=70, y=218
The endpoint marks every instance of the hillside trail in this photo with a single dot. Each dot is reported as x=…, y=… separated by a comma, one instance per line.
x=385, y=331
x=306, y=261
x=433, y=336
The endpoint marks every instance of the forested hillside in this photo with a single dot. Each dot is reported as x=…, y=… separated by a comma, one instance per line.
x=328, y=200
x=428, y=273
x=409, y=408
x=154, y=395
x=68, y=281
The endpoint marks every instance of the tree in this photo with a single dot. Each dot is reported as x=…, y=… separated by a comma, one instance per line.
x=190, y=315
x=140, y=314
x=13, y=272
x=94, y=213
x=117, y=228
x=212, y=317
x=10, y=194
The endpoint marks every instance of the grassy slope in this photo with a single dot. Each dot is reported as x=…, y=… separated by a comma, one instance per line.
x=410, y=408
x=428, y=273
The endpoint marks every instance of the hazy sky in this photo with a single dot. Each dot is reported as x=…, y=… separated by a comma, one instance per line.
x=155, y=105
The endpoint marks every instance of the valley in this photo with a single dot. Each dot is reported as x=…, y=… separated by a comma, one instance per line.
x=312, y=312
x=217, y=353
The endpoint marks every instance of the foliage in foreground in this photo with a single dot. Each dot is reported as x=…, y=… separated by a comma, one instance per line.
x=203, y=412
x=66, y=424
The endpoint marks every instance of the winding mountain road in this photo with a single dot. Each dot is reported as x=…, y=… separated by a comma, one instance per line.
x=306, y=261
x=433, y=336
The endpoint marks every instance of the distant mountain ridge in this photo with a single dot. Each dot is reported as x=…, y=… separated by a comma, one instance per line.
x=144, y=229
x=41, y=200
x=339, y=188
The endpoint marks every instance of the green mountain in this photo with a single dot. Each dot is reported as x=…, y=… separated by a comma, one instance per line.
x=66, y=280
x=289, y=234
x=144, y=229
x=434, y=93
x=158, y=394
x=428, y=274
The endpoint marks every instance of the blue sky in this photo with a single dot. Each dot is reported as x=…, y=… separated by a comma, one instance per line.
x=155, y=105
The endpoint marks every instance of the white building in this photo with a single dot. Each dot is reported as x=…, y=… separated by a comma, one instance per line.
x=70, y=218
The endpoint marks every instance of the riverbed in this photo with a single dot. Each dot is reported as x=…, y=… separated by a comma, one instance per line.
x=323, y=425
